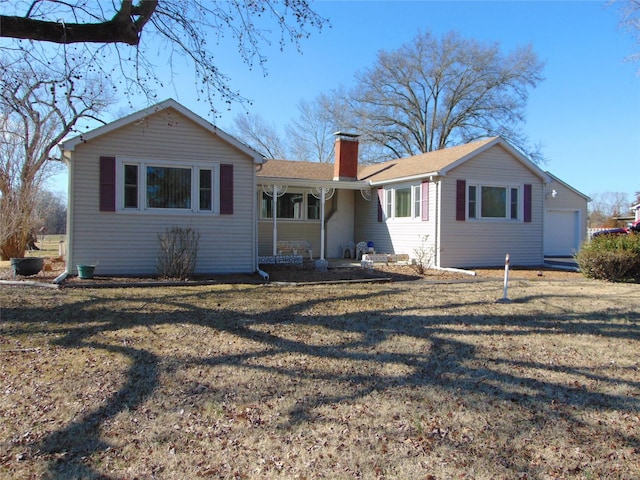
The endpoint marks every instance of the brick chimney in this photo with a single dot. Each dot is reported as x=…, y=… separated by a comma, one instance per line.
x=346, y=162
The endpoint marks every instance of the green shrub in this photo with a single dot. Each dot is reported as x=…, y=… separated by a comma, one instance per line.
x=615, y=258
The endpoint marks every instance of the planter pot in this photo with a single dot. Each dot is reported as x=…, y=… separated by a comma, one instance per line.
x=26, y=266
x=86, y=271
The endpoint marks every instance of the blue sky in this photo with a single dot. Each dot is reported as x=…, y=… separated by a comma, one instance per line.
x=585, y=114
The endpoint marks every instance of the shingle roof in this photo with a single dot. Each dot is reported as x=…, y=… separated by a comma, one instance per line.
x=296, y=170
x=432, y=162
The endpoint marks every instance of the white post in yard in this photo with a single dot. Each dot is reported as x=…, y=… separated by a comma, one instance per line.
x=505, y=298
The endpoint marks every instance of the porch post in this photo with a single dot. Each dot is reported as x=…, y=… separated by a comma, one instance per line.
x=274, y=210
x=322, y=200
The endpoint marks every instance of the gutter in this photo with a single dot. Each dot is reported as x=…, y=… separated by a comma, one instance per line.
x=420, y=176
x=337, y=184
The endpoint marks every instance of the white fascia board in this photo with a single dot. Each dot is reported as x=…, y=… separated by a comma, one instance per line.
x=422, y=176
x=562, y=182
x=70, y=144
x=511, y=149
x=298, y=182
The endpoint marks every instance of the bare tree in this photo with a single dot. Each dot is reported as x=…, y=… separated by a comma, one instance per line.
x=605, y=208
x=120, y=38
x=37, y=110
x=433, y=93
x=50, y=212
x=311, y=135
x=629, y=11
x=263, y=137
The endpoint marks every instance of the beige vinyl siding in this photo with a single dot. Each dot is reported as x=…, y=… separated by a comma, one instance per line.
x=127, y=243
x=340, y=223
x=475, y=243
x=397, y=236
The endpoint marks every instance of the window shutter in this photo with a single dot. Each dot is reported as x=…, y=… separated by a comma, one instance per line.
x=461, y=198
x=380, y=204
x=424, y=199
x=527, y=203
x=107, y=184
x=226, y=189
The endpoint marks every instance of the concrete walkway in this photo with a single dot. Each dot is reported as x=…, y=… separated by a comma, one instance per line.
x=566, y=263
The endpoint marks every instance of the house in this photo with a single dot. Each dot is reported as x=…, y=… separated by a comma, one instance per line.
x=468, y=205
x=164, y=166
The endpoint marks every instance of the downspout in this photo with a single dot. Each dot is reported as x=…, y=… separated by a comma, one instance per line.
x=69, y=260
x=437, y=242
x=437, y=224
x=262, y=273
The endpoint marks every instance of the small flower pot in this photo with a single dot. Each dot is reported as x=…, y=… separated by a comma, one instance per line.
x=26, y=266
x=86, y=271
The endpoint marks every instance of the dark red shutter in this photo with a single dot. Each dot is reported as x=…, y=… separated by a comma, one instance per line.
x=107, y=184
x=424, y=199
x=380, y=204
x=461, y=199
x=527, y=203
x=226, y=189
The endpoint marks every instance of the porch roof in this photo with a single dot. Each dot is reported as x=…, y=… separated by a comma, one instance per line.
x=304, y=174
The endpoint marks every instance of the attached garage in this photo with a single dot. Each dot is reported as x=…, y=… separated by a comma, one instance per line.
x=565, y=219
x=562, y=232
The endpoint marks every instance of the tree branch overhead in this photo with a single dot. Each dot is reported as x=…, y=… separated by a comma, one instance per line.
x=125, y=27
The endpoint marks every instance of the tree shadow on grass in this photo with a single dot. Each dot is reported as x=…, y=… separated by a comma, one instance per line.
x=451, y=363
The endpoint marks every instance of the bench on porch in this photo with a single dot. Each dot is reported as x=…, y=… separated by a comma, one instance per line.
x=294, y=247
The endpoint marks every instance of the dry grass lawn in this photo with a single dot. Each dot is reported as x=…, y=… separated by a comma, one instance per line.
x=409, y=380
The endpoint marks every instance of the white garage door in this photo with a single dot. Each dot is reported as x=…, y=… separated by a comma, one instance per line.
x=561, y=236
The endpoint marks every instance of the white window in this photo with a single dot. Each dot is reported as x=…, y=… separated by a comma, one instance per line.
x=403, y=202
x=494, y=202
x=161, y=186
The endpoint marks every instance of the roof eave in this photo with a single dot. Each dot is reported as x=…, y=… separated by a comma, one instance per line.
x=507, y=146
x=70, y=144
x=409, y=178
x=310, y=183
x=566, y=185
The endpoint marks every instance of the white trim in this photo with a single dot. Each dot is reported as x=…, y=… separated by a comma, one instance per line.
x=556, y=179
x=412, y=178
x=507, y=146
x=488, y=183
x=390, y=203
x=70, y=144
x=546, y=178
x=309, y=183
x=193, y=166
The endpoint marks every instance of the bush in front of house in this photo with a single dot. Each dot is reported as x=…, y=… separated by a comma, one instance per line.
x=423, y=256
x=615, y=258
x=178, y=252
